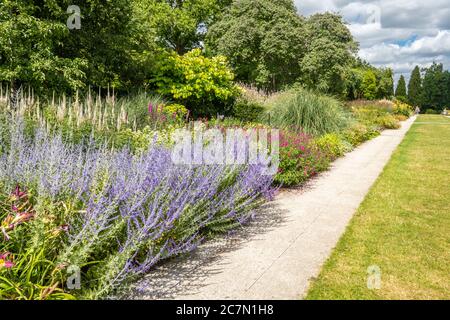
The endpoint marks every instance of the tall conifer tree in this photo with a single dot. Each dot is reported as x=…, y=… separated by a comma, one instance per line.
x=415, y=87
x=400, y=92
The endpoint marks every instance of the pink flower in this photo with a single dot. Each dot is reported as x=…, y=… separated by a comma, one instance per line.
x=150, y=108
x=5, y=255
x=11, y=222
x=17, y=194
x=64, y=227
x=5, y=263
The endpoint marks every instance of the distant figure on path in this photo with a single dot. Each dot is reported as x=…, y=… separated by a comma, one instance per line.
x=417, y=110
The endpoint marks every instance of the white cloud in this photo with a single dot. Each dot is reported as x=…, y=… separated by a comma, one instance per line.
x=307, y=7
x=426, y=47
x=394, y=33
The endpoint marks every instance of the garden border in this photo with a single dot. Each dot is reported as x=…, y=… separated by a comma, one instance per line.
x=275, y=257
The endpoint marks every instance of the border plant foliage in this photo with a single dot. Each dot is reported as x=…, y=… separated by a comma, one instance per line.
x=110, y=204
x=108, y=213
x=204, y=85
x=298, y=109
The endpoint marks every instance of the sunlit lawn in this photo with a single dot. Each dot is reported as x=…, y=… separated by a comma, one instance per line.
x=403, y=226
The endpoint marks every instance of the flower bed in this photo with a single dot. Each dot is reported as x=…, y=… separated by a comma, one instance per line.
x=108, y=214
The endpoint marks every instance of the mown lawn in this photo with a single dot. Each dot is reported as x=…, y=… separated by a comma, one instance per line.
x=403, y=226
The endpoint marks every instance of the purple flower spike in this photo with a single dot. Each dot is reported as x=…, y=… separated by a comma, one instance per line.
x=132, y=210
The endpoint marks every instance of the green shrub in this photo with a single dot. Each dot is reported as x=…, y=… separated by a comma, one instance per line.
x=248, y=109
x=431, y=111
x=359, y=133
x=332, y=145
x=176, y=110
x=386, y=105
x=401, y=108
x=136, y=106
x=204, y=85
x=388, y=121
x=375, y=116
x=301, y=110
x=400, y=117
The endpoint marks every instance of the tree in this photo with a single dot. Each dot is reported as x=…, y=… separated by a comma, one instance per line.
x=435, y=88
x=353, y=83
x=369, y=85
x=31, y=45
x=264, y=41
x=179, y=25
x=385, y=87
x=269, y=45
x=37, y=47
x=415, y=87
x=106, y=41
x=400, y=92
x=447, y=76
x=329, y=53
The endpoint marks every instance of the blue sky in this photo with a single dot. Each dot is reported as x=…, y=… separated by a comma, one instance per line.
x=394, y=33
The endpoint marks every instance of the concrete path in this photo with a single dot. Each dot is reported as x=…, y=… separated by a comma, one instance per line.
x=277, y=255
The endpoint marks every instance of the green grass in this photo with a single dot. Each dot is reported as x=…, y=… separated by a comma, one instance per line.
x=403, y=226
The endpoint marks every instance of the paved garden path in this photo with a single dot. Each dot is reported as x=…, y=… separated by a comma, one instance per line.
x=277, y=255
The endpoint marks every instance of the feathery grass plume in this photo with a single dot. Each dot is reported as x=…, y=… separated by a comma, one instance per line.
x=108, y=113
x=304, y=111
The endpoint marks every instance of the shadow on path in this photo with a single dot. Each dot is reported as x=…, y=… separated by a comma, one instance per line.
x=187, y=273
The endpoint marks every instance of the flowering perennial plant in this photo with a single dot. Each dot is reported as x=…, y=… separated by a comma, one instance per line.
x=111, y=213
x=299, y=159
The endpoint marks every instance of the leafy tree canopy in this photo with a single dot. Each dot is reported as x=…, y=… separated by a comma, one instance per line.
x=264, y=40
x=369, y=85
x=31, y=43
x=330, y=52
x=436, y=87
x=271, y=46
x=179, y=25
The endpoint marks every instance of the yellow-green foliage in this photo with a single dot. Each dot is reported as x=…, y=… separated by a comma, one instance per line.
x=400, y=117
x=140, y=140
x=177, y=110
x=195, y=80
x=332, y=145
x=402, y=108
x=359, y=133
x=371, y=115
x=388, y=121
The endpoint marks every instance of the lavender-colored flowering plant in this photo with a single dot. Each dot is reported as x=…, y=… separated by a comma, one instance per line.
x=115, y=214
